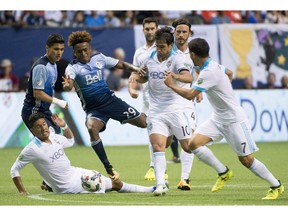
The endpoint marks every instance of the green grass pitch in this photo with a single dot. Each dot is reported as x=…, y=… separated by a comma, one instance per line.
x=132, y=162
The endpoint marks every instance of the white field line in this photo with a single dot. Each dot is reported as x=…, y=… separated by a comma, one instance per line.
x=41, y=196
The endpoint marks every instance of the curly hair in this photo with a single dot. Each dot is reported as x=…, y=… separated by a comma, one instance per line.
x=79, y=37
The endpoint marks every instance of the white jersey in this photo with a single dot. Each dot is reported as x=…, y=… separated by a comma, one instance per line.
x=214, y=81
x=193, y=73
x=52, y=163
x=140, y=59
x=162, y=98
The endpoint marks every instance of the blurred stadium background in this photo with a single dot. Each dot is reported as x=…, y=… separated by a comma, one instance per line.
x=249, y=49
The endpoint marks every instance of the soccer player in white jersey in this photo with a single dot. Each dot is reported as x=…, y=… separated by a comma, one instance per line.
x=168, y=112
x=228, y=120
x=85, y=73
x=142, y=54
x=182, y=32
x=46, y=153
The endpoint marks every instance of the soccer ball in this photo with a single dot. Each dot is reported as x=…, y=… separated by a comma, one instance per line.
x=91, y=181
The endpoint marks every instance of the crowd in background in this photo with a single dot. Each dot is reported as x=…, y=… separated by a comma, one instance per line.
x=100, y=19
x=117, y=79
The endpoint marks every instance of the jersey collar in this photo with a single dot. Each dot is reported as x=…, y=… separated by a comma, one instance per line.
x=206, y=63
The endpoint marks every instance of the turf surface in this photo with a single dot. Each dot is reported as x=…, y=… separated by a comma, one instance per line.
x=132, y=162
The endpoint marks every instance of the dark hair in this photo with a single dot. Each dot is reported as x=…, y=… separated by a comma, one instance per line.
x=199, y=46
x=35, y=117
x=55, y=38
x=150, y=20
x=181, y=21
x=79, y=37
x=165, y=34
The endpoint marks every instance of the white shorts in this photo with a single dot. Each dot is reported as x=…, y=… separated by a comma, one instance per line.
x=167, y=124
x=193, y=119
x=238, y=135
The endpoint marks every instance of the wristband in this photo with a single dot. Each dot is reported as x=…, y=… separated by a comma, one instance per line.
x=60, y=103
x=65, y=127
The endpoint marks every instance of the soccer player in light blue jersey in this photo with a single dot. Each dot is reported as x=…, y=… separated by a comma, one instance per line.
x=43, y=75
x=228, y=121
x=85, y=73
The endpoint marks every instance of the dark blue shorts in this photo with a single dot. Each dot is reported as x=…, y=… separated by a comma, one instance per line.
x=26, y=112
x=118, y=110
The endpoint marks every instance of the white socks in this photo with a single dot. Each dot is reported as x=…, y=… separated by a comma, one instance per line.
x=260, y=170
x=206, y=155
x=159, y=167
x=186, y=164
x=132, y=188
x=151, y=155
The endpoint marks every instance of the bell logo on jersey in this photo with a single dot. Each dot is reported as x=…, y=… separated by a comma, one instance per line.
x=91, y=79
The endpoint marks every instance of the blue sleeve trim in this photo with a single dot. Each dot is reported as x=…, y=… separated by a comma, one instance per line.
x=199, y=88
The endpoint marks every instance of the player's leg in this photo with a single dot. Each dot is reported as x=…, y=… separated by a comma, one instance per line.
x=187, y=157
x=186, y=166
x=206, y=133
x=158, y=141
x=94, y=126
x=239, y=136
x=150, y=174
x=174, y=148
x=158, y=134
x=124, y=113
x=132, y=188
x=139, y=121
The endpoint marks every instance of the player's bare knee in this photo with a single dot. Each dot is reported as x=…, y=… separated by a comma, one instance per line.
x=192, y=146
x=247, y=161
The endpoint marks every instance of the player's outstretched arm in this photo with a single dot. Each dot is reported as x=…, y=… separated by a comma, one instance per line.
x=39, y=94
x=189, y=94
x=19, y=185
x=132, y=85
x=184, y=76
x=63, y=125
x=67, y=83
x=130, y=68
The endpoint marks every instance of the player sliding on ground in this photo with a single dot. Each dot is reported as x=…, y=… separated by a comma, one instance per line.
x=46, y=153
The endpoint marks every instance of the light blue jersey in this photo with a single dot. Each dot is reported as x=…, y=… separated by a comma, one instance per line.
x=43, y=76
x=89, y=82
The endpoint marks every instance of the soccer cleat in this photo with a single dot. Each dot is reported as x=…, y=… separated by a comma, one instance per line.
x=150, y=175
x=161, y=189
x=221, y=180
x=274, y=193
x=184, y=185
x=176, y=159
x=166, y=176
